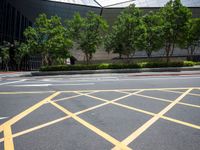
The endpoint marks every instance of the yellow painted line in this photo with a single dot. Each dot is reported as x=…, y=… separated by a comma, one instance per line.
x=34, y=92
x=58, y=120
x=8, y=139
x=54, y=121
x=191, y=105
x=67, y=98
x=1, y=128
x=98, y=106
x=150, y=122
x=143, y=111
x=40, y=126
x=148, y=89
x=154, y=98
x=181, y=122
x=104, y=100
x=28, y=111
x=163, y=117
x=101, y=99
x=193, y=94
x=93, y=128
x=133, y=108
x=165, y=100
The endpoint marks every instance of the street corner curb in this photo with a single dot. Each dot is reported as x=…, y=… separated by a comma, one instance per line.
x=168, y=69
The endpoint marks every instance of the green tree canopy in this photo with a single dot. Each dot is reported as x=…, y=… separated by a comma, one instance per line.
x=175, y=17
x=5, y=53
x=191, y=38
x=154, y=35
x=127, y=33
x=48, y=37
x=87, y=32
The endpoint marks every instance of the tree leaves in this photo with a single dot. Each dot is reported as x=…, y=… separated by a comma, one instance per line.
x=49, y=38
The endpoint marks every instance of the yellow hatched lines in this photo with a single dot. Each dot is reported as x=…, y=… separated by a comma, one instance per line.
x=6, y=127
x=192, y=94
x=93, y=128
x=74, y=116
x=150, y=122
x=64, y=118
x=164, y=100
x=123, y=90
x=28, y=111
x=140, y=110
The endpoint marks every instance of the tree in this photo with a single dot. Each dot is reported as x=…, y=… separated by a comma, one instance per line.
x=5, y=53
x=20, y=53
x=175, y=17
x=112, y=43
x=48, y=37
x=87, y=32
x=74, y=26
x=153, y=37
x=127, y=33
x=191, y=38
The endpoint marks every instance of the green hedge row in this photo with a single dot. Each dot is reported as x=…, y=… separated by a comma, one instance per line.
x=117, y=66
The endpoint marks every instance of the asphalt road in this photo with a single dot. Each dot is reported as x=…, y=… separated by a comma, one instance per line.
x=149, y=111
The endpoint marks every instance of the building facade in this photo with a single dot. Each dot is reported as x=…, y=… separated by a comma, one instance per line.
x=16, y=15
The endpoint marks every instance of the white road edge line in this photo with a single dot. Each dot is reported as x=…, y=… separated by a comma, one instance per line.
x=13, y=82
x=2, y=118
x=130, y=79
x=40, y=85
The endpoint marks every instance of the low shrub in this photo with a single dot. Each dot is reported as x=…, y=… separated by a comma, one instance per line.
x=117, y=66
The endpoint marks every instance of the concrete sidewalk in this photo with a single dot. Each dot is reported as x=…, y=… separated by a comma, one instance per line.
x=11, y=74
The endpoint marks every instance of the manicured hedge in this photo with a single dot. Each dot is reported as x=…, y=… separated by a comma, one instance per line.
x=117, y=66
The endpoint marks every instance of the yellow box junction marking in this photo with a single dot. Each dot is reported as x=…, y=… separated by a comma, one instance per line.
x=28, y=111
x=192, y=94
x=11, y=121
x=143, y=111
x=150, y=122
x=64, y=118
x=149, y=89
x=101, y=105
x=162, y=99
x=6, y=127
x=91, y=127
x=75, y=96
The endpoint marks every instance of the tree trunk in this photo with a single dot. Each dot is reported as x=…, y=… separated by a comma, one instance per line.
x=6, y=66
x=45, y=60
x=87, y=58
x=191, y=52
x=148, y=53
x=172, y=51
x=167, y=49
x=120, y=55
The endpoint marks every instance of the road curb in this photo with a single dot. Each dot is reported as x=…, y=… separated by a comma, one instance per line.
x=168, y=69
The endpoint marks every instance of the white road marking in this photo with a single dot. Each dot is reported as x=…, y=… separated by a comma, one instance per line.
x=123, y=79
x=46, y=85
x=2, y=118
x=31, y=85
x=81, y=79
x=13, y=82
